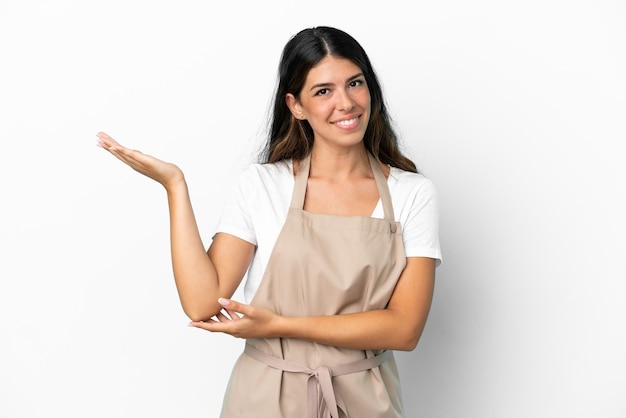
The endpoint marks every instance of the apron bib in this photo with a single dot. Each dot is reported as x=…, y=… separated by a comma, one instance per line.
x=322, y=265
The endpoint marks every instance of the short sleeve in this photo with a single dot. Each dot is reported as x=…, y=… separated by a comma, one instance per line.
x=236, y=218
x=420, y=221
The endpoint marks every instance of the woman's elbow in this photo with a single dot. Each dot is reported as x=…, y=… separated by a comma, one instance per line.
x=407, y=339
x=198, y=314
x=407, y=344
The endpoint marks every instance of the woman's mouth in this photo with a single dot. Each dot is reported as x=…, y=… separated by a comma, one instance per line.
x=347, y=123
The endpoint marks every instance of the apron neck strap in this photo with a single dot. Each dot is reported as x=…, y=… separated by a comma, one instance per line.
x=299, y=189
x=383, y=190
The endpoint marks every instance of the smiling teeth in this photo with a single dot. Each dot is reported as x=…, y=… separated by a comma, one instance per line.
x=347, y=122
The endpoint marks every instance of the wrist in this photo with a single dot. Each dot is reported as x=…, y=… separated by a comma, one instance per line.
x=176, y=184
x=283, y=327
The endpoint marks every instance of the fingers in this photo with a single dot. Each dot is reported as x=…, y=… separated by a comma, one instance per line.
x=226, y=315
x=207, y=326
x=111, y=145
x=222, y=318
x=239, y=320
x=219, y=323
x=233, y=308
x=230, y=312
x=105, y=141
x=135, y=159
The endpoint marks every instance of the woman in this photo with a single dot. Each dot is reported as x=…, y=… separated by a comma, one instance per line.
x=338, y=234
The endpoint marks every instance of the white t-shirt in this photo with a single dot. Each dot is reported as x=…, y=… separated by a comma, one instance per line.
x=257, y=208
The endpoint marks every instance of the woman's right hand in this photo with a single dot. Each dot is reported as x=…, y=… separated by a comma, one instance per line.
x=167, y=174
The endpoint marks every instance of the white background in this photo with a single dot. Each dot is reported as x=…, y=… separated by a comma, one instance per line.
x=516, y=110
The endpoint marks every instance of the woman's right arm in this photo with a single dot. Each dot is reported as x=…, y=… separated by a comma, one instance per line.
x=201, y=276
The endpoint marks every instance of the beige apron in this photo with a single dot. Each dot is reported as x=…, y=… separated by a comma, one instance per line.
x=322, y=265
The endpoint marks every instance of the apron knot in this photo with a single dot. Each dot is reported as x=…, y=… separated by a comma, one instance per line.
x=322, y=402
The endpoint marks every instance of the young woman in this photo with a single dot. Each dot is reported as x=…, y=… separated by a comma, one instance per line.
x=338, y=234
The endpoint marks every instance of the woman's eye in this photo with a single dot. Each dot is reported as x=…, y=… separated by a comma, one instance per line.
x=355, y=83
x=321, y=92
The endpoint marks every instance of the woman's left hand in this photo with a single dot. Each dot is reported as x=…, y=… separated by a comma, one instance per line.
x=241, y=321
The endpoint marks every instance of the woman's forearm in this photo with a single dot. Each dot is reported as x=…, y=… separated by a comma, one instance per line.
x=200, y=277
x=371, y=330
x=397, y=327
x=194, y=273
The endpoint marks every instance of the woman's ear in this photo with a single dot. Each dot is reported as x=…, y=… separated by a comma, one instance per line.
x=294, y=106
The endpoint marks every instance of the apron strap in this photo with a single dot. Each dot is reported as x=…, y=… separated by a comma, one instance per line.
x=299, y=189
x=319, y=384
x=383, y=191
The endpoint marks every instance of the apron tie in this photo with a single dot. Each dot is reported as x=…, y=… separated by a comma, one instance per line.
x=320, y=382
x=321, y=399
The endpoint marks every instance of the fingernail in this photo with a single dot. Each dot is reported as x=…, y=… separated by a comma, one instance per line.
x=223, y=302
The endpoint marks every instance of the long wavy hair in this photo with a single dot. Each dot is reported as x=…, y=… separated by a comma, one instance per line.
x=291, y=138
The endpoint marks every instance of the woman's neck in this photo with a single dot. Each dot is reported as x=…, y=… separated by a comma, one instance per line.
x=339, y=164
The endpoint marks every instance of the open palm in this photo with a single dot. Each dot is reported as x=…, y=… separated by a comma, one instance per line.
x=163, y=172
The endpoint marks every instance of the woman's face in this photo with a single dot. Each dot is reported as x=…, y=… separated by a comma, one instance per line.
x=335, y=100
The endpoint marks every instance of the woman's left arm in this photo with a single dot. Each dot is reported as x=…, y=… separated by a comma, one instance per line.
x=398, y=327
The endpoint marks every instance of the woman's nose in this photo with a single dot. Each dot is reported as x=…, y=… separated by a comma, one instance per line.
x=344, y=101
